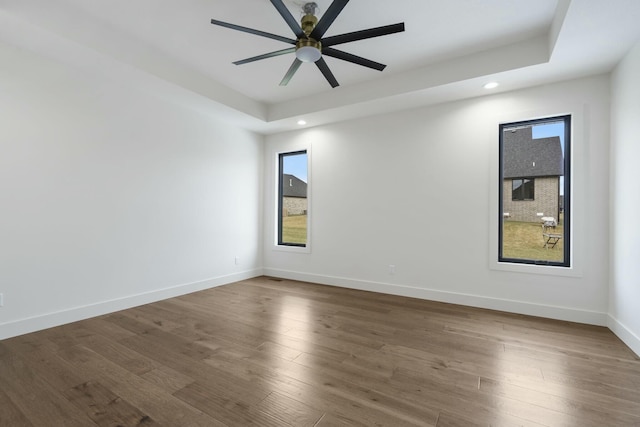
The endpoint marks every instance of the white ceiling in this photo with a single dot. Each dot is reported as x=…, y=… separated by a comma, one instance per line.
x=449, y=49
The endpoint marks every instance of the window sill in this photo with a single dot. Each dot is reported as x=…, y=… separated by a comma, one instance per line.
x=548, y=270
x=292, y=249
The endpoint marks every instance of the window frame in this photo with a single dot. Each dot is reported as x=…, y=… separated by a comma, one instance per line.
x=279, y=202
x=567, y=202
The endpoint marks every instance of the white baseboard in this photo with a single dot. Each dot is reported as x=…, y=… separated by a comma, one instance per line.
x=519, y=307
x=36, y=323
x=625, y=334
x=32, y=324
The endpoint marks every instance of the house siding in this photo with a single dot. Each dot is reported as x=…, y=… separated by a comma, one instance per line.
x=547, y=197
x=294, y=195
x=294, y=206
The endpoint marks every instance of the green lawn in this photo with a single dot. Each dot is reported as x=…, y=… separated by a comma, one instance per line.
x=524, y=240
x=294, y=229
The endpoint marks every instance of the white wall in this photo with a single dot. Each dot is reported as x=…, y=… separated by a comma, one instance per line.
x=110, y=197
x=418, y=190
x=625, y=200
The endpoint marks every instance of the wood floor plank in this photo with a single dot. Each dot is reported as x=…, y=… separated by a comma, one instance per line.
x=40, y=403
x=105, y=408
x=119, y=354
x=10, y=414
x=275, y=352
x=593, y=413
x=252, y=338
x=168, y=378
x=58, y=373
x=547, y=340
x=300, y=383
x=156, y=402
x=364, y=389
x=215, y=400
x=289, y=411
x=470, y=363
x=101, y=327
x=175, y=358
x=147, y=315
x=622, y=373
x=334, y=420
x=446, y=419
x=473, y=404
x=295, y=381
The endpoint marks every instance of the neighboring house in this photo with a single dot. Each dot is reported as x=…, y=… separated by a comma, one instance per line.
x=531, y=173
x=294, y=195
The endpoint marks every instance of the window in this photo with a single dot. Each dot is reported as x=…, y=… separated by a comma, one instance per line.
x=522, y=189
x=534, y=195
x=293, y=200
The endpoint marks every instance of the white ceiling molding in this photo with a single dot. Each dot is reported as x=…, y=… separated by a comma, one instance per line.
x=162, y=47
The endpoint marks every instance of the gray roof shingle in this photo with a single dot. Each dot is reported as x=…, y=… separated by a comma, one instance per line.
x=524, y=156
x=292, y=186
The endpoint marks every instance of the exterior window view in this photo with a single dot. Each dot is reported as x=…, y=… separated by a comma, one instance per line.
x=534, y=192
x=292, y=199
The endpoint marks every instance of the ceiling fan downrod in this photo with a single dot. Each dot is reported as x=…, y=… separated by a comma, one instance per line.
x=309, y=20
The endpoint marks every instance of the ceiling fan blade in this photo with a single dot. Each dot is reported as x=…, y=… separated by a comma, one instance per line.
x=327, y=18
x=252, y=31
x=363, y=34
x=292, y=70
x=329, y=51
x=266, y=55
x=326, y=72
x=288, y=17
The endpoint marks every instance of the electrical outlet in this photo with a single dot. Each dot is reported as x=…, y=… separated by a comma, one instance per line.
x=237, y=260
x=392, y=269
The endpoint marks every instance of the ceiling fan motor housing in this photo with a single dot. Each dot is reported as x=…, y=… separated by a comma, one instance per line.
x=308, y=49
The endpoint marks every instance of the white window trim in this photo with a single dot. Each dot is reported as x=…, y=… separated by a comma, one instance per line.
x=276, y=172
x=579, y=182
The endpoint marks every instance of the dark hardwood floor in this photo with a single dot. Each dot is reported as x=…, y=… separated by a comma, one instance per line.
x=270, y=352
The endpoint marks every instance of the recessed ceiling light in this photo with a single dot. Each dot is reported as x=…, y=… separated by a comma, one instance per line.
x=491, y=85
x=302, y=122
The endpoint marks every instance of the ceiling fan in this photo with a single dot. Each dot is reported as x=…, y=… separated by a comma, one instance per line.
x=309, y=45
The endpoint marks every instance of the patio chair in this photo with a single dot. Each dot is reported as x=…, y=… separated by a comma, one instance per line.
x=550, y=238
